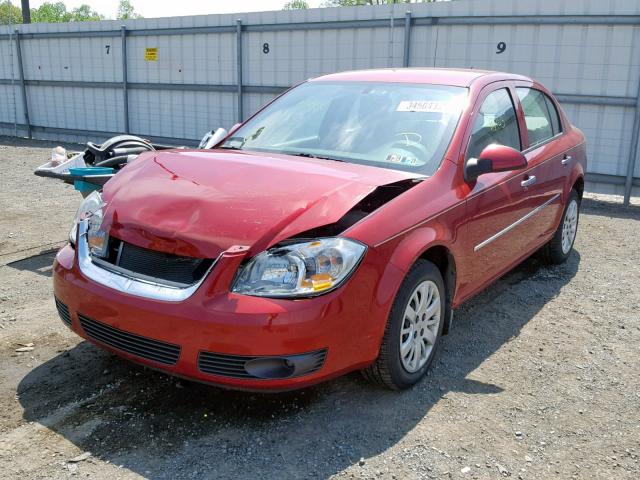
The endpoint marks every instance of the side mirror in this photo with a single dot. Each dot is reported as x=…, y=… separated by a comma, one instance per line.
x=234, y=128
x=213, y=137
x=494, y=158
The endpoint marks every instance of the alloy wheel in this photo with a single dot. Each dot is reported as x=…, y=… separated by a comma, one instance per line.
x=569, y=226
x=420, y=326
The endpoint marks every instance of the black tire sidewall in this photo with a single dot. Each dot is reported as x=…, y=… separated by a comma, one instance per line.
x=423, y=270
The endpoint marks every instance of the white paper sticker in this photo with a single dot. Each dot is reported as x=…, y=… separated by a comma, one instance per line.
x=403, y=159
x=425, y=106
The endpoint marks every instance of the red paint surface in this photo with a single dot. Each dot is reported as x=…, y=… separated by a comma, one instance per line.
x=197, y=203
x=200, y=203
x=503, y=158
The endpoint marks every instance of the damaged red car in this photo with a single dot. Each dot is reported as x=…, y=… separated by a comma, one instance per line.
x=335, y=230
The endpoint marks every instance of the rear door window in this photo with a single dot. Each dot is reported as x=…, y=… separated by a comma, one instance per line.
x=541, y=124
x=555, y=116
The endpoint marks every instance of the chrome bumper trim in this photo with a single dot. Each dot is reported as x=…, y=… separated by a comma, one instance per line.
x=129, y=284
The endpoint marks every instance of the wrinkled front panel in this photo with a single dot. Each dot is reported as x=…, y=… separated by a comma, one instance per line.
x=199, y=204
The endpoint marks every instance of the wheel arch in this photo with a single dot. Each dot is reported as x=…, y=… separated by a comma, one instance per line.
x=402, y=262
x=578, y=186
x=443, y=259
x=430, y=243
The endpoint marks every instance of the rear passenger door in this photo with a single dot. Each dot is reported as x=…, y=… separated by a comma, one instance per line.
x=545, y=158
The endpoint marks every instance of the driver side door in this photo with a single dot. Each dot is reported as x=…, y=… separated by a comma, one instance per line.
x=497, y=202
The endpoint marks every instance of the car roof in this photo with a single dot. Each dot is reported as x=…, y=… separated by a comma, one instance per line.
x=459, y=77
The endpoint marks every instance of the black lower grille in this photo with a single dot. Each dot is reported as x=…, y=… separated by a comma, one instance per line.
x=156, y=265
x=161, y=352
x=225, y=365
x=63, y=311
x=239, y=366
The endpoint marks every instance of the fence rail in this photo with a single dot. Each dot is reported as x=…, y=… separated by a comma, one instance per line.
x=406, y=22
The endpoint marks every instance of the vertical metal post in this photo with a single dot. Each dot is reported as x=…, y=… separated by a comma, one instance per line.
x=23, y=84
x=633, y=153
x=125, y=92
x=239, y=67
x=407, y=39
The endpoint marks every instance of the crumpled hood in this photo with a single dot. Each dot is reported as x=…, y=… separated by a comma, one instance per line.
x=200, y=203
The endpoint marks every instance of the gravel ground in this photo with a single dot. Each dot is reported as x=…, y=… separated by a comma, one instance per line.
x=538, y=379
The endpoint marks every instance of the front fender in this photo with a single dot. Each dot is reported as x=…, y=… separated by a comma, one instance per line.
x=407, y=249
x=415, y=243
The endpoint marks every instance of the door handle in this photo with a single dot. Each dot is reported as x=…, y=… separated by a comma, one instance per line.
x=565, y=161
x=529, y=181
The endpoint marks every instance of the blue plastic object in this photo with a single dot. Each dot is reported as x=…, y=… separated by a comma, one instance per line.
x=87, y=171
x=86, y=187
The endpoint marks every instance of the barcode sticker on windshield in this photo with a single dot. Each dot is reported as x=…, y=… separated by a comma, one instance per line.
x=424, y=106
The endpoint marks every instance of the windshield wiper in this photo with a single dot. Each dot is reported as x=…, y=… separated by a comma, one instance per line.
x=230, y=147
x=310, y=155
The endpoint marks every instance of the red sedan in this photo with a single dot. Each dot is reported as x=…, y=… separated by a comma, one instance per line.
x=337, y=229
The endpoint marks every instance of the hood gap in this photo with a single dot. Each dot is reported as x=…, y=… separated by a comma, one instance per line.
x=379, y=197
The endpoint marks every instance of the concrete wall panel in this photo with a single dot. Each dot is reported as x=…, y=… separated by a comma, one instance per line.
x=571, y=59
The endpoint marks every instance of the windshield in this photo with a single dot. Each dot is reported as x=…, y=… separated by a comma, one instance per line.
x=392, y=125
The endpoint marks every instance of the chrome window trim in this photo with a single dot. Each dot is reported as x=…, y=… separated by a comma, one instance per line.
x=126, y=283
x=515, y=224
x=531, y=148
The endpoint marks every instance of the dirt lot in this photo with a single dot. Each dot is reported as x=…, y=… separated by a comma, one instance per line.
x=539, y=378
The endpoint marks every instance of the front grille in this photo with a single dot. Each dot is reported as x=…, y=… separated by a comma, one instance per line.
x=234, y=365
x=224, y=365
x=155, y=265
x=161, y=352
x=63, y=311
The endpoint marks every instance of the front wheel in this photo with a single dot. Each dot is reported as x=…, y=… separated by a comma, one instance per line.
x=559, y=247
x=413, y=329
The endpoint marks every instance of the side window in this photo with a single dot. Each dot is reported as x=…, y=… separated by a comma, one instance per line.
x=536, y=115
x=495, y=122
x=555, y=116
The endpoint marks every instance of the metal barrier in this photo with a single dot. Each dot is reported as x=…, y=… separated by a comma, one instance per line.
x=407, y=21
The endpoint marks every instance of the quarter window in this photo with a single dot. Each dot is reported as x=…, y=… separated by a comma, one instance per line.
x=495, y=122
x=555, y=117
x=540, y=115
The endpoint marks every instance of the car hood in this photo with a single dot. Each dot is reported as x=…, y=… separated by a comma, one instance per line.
x=200, y=203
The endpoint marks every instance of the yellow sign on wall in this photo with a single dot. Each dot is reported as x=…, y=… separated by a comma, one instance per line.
x=151, y=54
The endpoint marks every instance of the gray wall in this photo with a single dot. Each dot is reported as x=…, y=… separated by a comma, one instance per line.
x=587, y=52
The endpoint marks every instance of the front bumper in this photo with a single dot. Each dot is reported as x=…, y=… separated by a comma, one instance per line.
x=340, y=331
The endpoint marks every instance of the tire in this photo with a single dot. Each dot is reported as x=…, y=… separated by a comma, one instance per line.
x=559, y=247
x=392, y=369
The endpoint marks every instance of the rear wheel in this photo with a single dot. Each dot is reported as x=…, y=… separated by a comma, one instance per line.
x=413, y=329
x=559, y=247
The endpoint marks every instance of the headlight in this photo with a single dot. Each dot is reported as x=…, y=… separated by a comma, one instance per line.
x=91, y=210
x=301, y=269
